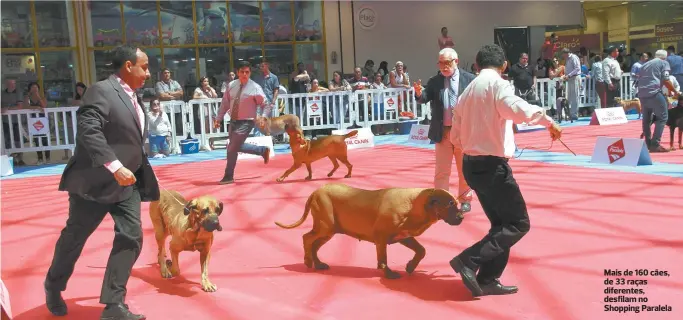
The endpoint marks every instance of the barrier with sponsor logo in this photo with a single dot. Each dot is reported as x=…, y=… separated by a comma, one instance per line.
x=419, y=134
x=608, y=116
x=363, y=139
x=623, y=152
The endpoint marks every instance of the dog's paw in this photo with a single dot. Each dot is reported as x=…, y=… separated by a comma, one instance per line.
x=207, y=286
x=308, y=178
x=347, y=176
x=166, y=274
x=322, y=266
x=390, y=274
x=411, y=266
x=329, y=175
x=280, y=179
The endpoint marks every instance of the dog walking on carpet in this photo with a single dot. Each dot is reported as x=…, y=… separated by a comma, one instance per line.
x=306, y=151
x=383, y=217
x=674, y=121
x=190, y=225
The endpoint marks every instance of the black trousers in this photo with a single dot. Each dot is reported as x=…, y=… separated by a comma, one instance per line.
x=491, y=179
x=611, y=94
x=84, y=217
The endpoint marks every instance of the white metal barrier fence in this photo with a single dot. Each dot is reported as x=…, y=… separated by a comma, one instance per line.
x=318, y=110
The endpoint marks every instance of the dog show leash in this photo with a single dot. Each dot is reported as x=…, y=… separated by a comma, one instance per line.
x=544, y=149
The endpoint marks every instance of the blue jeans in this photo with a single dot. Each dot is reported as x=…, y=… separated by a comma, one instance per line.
x=238, y=132
x=656, y=105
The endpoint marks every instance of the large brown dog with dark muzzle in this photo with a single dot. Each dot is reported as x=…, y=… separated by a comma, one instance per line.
x=308, y=151
x=277, y=125
x=190, y=225
x=383, y=217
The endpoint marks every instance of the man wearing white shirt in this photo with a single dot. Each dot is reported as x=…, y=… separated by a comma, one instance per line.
x=573, y=79
x=482, y=127
x=611, y=74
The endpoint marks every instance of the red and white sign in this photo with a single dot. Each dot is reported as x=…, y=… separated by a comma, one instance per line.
x=608, y=116
x=315, y=108
x=38, y=126
x=4, y=301
x=619, y=151
x=418, y=134
x=390, y=102
x=364, y=138
x=265, y=141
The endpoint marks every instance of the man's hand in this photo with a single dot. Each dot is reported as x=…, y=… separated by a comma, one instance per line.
x=124, y=177
x=418, y=87
x=611, y=86
x=216, y=123
x=555, y=131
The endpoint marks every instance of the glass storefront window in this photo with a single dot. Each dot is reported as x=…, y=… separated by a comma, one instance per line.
x=59, y=76
x=312, y=55
x=277, y=21
x=20, y=67
x=245, y=21
x=212, y=22
x=308, y=16
x=54, y=20
x=105, y=17
x=17, y=26
x=281, y=59
x=214, y=63
x=183, y=68
x=141, y=23
x=648, y=13
x=177, y=26
x=250, y=53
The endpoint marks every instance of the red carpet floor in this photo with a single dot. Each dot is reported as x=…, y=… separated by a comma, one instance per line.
x=583, y=221
x=581, y=139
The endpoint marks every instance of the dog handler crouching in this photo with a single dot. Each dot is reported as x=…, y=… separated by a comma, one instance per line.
x=241, y=100
x=482, y=126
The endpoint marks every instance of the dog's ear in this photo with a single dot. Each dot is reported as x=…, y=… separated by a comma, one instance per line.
x=189, y=207
x=220, y=208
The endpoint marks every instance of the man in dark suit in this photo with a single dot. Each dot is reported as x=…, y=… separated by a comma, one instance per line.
x=108, y=173
x=442, y=95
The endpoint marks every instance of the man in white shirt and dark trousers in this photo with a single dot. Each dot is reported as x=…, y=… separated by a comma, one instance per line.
x=612, y=74
x=573, y=79
x=241, y=100
x=482, y=127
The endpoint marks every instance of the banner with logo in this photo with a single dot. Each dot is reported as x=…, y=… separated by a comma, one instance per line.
x=315, y=107
x=418, y=134
x=670, y=32
x=575, y=42
x=38, y=126
x=364, y=138
x=390, y=102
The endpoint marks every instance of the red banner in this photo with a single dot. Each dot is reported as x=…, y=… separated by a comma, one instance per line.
x=574, y=43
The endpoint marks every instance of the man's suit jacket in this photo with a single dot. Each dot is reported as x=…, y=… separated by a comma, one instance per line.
x=108, y=130
x=434, y=93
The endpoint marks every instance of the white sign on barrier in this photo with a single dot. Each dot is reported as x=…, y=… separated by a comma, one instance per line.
x=419, y=134
x=38, y=126
x=364, y=138
x=390, y=102
x=265, y=141
x=315, y=108
x=608, y=116
x=623, y=152
x=6, y=166
x=5, y=302
x=525, y=127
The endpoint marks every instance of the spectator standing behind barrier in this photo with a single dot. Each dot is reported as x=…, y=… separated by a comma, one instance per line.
x=12, y=99
x=78, y=97
x=482, y=127
x=168, y=89
x=228, y=79
x=572, y=78
x=298, y=81
x=36, y=100
x=442, y=94
x=523, y=77
x=598, y=77
x=399, y=79
x=359, y=82
x=205, y=91
x=445, y=41
x=270, y=84
x=338, y=84
x=612, y=74
x=241, y=100
x=159, y=131
x=635, y=69
x=676, y=63
x=653, y=76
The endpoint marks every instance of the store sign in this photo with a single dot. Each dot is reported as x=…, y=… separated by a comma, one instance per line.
x=574, y=43
x=669, y=29
x=367, y=18
x=617, y=35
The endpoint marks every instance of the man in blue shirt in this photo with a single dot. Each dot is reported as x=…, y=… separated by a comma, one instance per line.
x=652, y=76
x=676, y=63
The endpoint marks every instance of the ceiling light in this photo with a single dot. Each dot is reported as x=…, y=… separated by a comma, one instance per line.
x=625, y=2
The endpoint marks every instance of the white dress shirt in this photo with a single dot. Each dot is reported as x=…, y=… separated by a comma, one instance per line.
x=486, y=110
x=611, y=69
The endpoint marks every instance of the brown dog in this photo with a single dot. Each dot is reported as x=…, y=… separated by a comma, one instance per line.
x=629, y=104
x=277, y=125
x=190, y=225
x=383, y=217
x=308, y=151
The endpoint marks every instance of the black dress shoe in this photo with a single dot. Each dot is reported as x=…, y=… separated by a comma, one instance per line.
x=119, y=311
x=227, y=180
x=266, y=156
x=469, y=276
x=495, y=288
x=55, y=303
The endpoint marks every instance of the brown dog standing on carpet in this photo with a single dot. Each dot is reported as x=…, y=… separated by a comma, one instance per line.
x=383, y=217
x=190, y=225
x=277, y=125
x=629, y=104
x=308, y=151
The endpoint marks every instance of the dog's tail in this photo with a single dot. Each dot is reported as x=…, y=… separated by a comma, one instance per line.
x=351, y=134
x=303, y=218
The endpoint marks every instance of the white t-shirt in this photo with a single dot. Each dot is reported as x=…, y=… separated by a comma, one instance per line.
x=159, y=125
